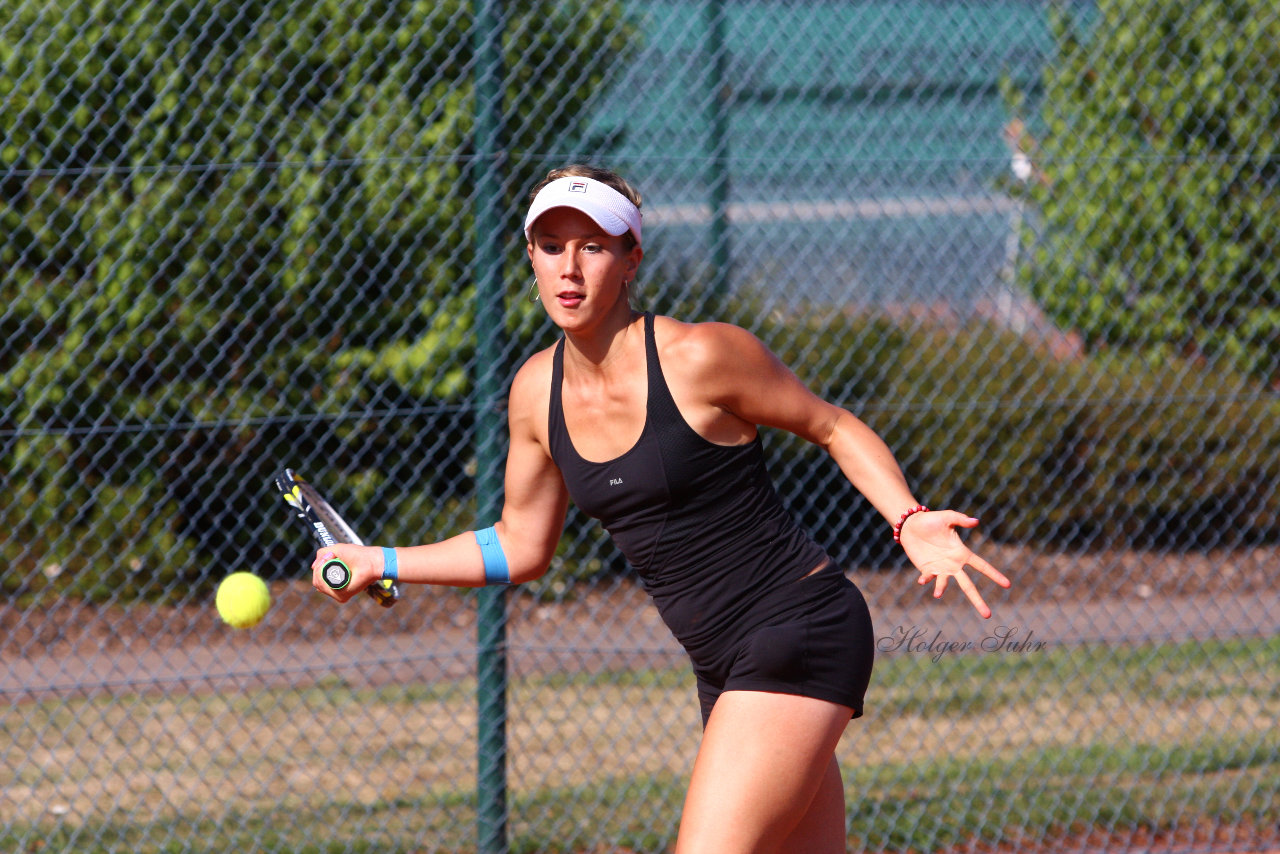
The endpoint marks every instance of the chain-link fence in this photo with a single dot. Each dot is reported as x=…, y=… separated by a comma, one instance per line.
x=1031, y=243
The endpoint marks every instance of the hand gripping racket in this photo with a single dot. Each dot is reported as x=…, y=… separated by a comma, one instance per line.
x=328, y=528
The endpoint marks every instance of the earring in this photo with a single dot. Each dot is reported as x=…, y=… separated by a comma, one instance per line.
x=533, y=289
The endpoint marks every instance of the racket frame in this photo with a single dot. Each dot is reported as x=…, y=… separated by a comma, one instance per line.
x=312, y=508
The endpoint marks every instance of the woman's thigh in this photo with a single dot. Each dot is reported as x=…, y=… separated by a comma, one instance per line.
x=765, y=759
x=822, y=829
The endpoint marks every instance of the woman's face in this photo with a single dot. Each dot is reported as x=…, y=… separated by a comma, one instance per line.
x=582, y=272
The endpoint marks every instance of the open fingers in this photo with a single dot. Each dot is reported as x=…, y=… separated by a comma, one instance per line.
x=939, y=586
x=988, y=570
x=971, y=591
x=966, y=584
x=937, y=550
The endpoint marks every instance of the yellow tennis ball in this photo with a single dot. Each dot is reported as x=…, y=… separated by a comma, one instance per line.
x=243, y=600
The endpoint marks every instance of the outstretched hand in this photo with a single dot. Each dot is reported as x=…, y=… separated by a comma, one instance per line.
x=932, y=543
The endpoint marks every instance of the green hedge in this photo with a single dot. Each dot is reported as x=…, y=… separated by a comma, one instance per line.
x=1082, y=452
x=216, y=215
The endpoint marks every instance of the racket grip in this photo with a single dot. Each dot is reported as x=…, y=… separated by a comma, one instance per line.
x=336, y=574
x=385, y=592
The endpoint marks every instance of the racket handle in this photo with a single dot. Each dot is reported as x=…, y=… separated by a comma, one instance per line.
x=385, y=592
x=336, y=574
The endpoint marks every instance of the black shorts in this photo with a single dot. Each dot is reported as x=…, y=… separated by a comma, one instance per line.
x=813, y=639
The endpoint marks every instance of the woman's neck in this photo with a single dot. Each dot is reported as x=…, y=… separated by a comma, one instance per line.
x=596, y=351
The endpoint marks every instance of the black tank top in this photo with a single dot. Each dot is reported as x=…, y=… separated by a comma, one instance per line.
x=701, y=523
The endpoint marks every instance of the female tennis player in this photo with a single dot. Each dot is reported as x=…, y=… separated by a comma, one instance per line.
x=651, y=425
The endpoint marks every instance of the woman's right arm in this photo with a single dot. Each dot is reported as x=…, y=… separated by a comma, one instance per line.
x=533, y=510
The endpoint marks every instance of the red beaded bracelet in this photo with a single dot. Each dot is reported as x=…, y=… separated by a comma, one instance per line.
x=897, y=529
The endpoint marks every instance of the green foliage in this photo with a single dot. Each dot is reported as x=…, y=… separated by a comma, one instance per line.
x=117, y=551
x=1104, y=451
x=1161, y=164
x=216, y=213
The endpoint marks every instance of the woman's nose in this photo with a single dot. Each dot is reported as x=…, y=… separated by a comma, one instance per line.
x=569, y=267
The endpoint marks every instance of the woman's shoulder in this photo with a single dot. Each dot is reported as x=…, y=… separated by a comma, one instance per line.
x=533, y=379
x=708, y=344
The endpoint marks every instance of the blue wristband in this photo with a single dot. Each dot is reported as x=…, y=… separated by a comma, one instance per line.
x=496, y=570
x=390, y=565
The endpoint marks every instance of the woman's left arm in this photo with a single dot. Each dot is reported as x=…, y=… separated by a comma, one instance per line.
x=752, y=383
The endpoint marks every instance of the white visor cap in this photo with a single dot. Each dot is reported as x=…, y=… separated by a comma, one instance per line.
x=608, y=208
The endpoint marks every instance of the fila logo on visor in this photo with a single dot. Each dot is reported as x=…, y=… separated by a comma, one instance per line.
x=578, y=187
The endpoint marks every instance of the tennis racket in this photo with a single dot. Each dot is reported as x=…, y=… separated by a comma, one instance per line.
x=329, y=528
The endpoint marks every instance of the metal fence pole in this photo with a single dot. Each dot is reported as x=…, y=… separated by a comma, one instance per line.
x=718, y=96
x=491, y=664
